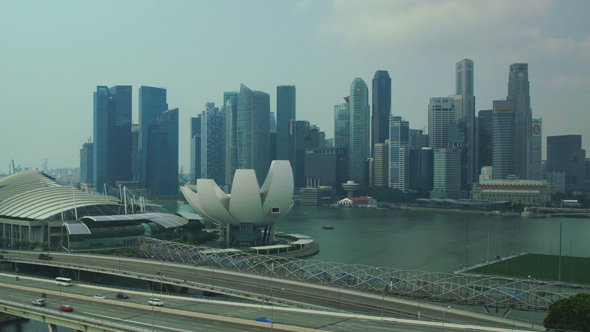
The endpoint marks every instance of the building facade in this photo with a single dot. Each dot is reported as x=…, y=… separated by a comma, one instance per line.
x=399, y=153
x=536, y=149
x=360, y=138
x=464, y=77
x=326, y=167
x=441, y=113
x=485, y=139
x=504, y=140
x=195, y=152
x=286, y=116
x=152, y=103
x=381, y=108
x=86, y=155
x=213, y=144
x=162, y=171
x=342, y=126
x=230, y=109
x=565, y=154
x=519, y=95
x=447, y=174
x=381, y=164
x=527, y=192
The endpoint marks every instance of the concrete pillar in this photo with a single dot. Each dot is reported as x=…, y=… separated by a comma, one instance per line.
x=8, y=317
x=52, y=327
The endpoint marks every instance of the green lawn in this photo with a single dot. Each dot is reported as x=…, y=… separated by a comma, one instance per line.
x=541, y=267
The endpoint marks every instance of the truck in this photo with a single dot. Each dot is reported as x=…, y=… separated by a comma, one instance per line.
x=45, y=257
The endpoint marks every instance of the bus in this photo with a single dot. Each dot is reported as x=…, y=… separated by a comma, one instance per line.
x=63, y=281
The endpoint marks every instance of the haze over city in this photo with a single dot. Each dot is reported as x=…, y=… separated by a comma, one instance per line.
x=54, y=55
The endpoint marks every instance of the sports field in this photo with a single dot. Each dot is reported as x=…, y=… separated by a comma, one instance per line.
x=540, y=267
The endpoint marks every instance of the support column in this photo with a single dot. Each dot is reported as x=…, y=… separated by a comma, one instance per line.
x=52, y=327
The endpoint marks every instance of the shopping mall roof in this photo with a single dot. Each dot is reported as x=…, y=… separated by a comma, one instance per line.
x=34, y=195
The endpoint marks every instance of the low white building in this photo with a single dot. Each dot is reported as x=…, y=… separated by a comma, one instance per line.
x=527, y=192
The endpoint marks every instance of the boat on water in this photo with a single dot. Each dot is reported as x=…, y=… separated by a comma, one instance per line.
x=328, y=227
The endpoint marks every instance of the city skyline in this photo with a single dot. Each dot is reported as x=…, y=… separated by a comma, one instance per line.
x=51, y=67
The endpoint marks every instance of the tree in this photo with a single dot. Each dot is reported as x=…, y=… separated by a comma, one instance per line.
x=572, y=313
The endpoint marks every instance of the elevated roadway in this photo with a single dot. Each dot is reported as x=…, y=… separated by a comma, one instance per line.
x=259, y=288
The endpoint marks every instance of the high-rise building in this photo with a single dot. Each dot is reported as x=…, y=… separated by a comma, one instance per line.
x=135, y=152
x=195, y=152
x=213, y=144
x=152, y=103
x=326, y=167
x=447, y=174
x=230, y=109
x=536, y=149
x=464, y=76
x=418, y=139
x=399, y=153
x=426, y=169
x=273, y=137
x=112, y=136
x=381, y=164
x=360, y=138
x=253, y=132
x=441, y=113
x=286, y=117
x=504, y=139
x=381, y=108
x=565, y=154
x=342, y=126
x=519, y=95
x=86, y=156
x=162, y=149
x=485, y=139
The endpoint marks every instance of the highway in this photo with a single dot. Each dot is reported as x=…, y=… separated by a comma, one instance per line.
x=277, y=290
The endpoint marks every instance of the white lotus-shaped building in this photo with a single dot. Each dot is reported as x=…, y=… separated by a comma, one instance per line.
x=248, y=206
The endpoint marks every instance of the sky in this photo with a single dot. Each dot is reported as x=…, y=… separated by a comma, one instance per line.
x=53, y=54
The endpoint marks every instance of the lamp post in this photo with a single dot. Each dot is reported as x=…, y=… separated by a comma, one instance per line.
x=272, y=309
x=444, y=313
x=532, y=304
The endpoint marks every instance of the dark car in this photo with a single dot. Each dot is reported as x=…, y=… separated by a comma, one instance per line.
x=122, y=296
x=66, y=308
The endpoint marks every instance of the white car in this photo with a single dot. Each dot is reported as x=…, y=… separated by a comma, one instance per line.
x=39, y=302
x=100, y=296
x=155, y=302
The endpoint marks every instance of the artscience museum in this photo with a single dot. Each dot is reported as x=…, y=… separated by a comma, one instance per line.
x=248, y=214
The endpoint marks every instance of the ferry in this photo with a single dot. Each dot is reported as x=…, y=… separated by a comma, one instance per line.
x=328, y=227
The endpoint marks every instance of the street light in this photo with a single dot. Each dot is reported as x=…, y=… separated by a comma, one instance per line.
x=532, y=305
x=444, y=313
x=272, y=309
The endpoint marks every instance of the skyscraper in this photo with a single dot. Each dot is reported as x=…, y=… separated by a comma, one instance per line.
x=381, y=164
x=152, y=103
x=162, y=167
x=86, y=163
x=504, y=139
x=519, y=95
x=195, y=152
x=213, y=144
x=441, y=113
x=286, y=116
x=253, y=132
x=464, y=87
x=536, y=149
x=565, y=154
x=485, y=134
x=230, y=109
x=360, y=145
x=381, y=108
x=447, y=174
x=342, y=126
x=399, y=153
x=112, y=136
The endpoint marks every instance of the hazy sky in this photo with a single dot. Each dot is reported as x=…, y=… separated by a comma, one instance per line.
x=53, y=54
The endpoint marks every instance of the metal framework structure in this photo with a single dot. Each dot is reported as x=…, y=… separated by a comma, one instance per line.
x=487, y=291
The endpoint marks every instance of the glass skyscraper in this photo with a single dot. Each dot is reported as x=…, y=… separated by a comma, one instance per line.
x=464, y=87
x=253, y=132
x=381, y=108
x=441, y=113
x=195, y=149
x=399, y=153
x=519, y=95
x=213, y=144
x=342, y=126
x=286, y=117
x=86, y=163
x=112, y=136
x=360, y=135
x=504, y=139
x=230, y=109
x=162, y=168
x=485, y=134
x=152, y=103
x=565, y=154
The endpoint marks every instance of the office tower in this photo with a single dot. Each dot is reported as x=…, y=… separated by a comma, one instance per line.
x=286, y=116
x=381, y=164
x=447, y=174
x=360, y=145
x=322, y=140
x=86, y=156
x=418, y=139
x=230, y=108
x=195, y=152
x=329, y=143
x=519, y=95
x=536, y=149
x=162, y=154
x=457, y=137
x=213, y=144
x=135, y=152
x=112, y=136
x=253, y=132
x=152, y=103
x=399, y=153
x=485, y=135
x=326, y=167
x=301, y=137
x=565, y=154
x=504, y=139
x=381, y=108
x=441, y=113
x=426, y=169
x=464, y=76
x=342, y=125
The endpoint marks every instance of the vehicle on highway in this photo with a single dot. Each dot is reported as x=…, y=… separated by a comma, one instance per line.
x=155, y=302
x=66, y=308
x=4, y=252
x=39, y=302
x=263, y=319
x=99, y=296
x=60, y=281
x=122, y=296
x=46, y=257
